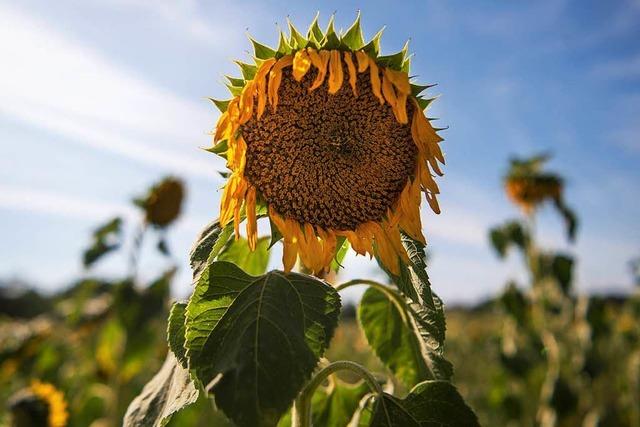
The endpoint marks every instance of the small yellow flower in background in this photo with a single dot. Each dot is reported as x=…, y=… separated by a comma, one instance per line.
x=40, y=404
x=55, y=401
x=331, y=139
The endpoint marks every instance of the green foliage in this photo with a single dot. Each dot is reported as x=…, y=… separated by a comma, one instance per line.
x=430, y=403
x=511, y=233
x=252, y=262
x=105, y=239
x=393, y=333
x=176, y=333
x=170, y=390
x=255, y=340
x=208, y=245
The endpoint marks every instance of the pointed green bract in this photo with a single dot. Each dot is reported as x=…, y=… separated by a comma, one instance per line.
x=296, y=40
x=396, y=60
x=353, y=38
x=331, y=39
x=315, y=34
x=261, y=51
x=284, y=46
x=248, y=70
x=373, y=47
x=235, y=81
x=221, y=105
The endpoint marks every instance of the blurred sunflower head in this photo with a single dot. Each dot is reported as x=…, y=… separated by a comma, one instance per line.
x=528, y=186
x=39, y=404
x=163, y=202
x=331, y=138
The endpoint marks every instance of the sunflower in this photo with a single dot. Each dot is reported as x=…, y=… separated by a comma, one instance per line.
x=528, y=186
x=39, y=404
x=163, y=202
x=331, y=139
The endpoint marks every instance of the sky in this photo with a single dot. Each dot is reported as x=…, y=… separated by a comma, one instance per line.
x=101, y=98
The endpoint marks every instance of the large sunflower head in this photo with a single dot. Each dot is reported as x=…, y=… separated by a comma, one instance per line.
x=332, y=139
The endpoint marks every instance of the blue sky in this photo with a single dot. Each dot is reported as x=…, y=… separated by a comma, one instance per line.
x=100, y=98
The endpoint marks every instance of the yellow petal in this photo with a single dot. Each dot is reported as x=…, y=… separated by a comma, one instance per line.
x=246, y=102
x=335, y=72
x=301, y=64
x=221, y=127
x=401, y=108
x=363, y=61
x=275, y=77
x=319, y=60
x=388, y=91
x=261, y=84
x=352, y=72
x=375, y=80
x=289, y=254
x=433, y=202
x=227, y=202
x=252, y=221
x=400, y=80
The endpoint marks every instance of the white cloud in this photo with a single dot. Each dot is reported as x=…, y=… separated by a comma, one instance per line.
x=53, y=83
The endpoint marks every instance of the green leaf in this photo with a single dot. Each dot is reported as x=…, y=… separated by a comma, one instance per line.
x=296, y=40
x=255, y=340
x=353, y=38
x=506, y=235
x=234, y=90
x=261, y=51
x=394, y=336
x=176, y=331
x=418, y=89
x=569, y=216
x=515, y=304
x=105, y=239
x=169, y=391
x=331, y=39
x=373, y=47
x=208, y=245
x=238, y=252
x=431, y=403
x=562, y=270
x=248, y=70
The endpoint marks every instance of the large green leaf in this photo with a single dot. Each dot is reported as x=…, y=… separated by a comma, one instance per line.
x=254, y=341
x=208, y=245
x=176, y=331
x=429, y=404
x=253, y=262
x=396, y=338
x=170, y=390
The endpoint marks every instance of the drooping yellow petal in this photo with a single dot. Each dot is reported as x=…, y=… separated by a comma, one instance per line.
x=388, y=92
x=221, y=127
x=227, y=202
x=335, y=72
x=246, y=102
x=289, y=253
x=301, y=64
x=433, y=202
x=261, y=84
x=384, y=248
x=320, y=60
x=400, y=80
x=329, y=243
x=275, y=77
x=375, y=80
x=352, y=72
x=252, y=221
x=363, y=61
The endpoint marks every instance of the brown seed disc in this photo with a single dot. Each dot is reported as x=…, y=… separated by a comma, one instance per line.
x=334, y=161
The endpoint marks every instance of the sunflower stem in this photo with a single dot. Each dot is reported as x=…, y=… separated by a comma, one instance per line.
x=302, y=406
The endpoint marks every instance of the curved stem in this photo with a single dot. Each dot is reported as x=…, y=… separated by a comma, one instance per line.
x=391, y=293
x=302, y=405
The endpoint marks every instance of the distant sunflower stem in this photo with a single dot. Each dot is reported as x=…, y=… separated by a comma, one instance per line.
x=302, y=406
x=135, y=251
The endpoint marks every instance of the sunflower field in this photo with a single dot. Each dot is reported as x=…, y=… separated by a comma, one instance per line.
x=329, y=146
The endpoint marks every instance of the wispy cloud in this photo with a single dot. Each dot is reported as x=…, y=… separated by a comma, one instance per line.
x=623, y=68
x=57, y=84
